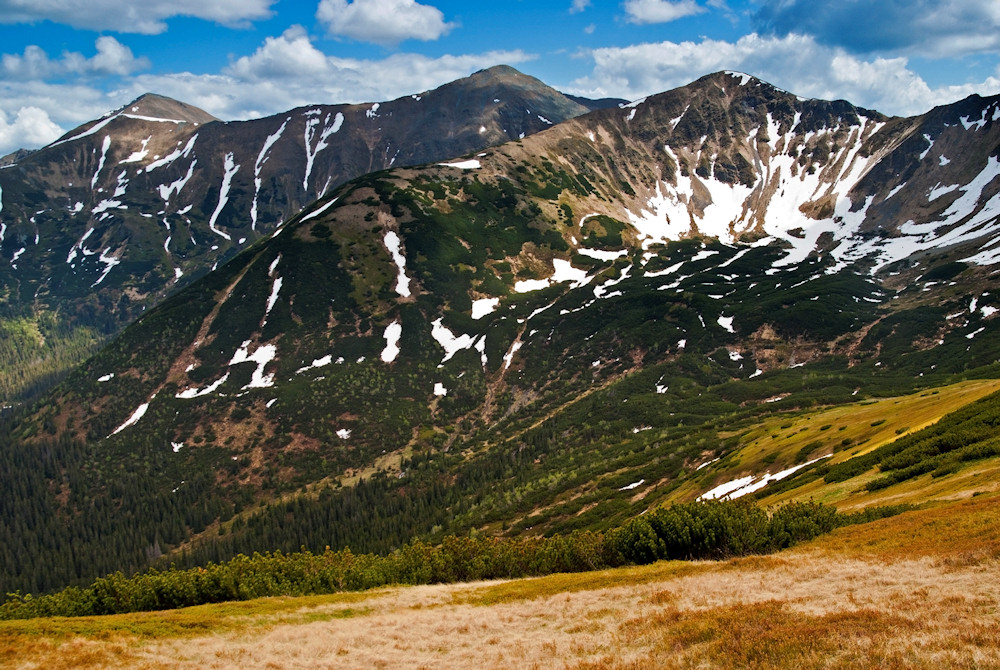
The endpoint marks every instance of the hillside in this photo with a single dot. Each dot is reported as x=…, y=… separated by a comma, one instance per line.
x=636, y=306
x=105, y=222
x=902, y=592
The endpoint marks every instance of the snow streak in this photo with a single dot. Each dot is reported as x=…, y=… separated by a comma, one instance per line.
x=231, y=169
x=258, y=166
x=310, y=133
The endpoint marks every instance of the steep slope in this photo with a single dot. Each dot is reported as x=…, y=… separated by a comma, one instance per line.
x=552, y=334
x=103, y=223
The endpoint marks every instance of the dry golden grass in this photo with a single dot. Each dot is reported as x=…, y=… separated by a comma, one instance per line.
x=915, y=591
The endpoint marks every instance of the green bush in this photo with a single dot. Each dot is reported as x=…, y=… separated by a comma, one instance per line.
x=698, y=530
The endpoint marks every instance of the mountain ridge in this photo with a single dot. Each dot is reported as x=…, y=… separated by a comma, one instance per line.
x=551, y=334
x=138, y=203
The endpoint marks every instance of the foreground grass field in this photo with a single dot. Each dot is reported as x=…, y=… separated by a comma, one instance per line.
x=919, y=590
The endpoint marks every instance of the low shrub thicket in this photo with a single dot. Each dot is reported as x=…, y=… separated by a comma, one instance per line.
x=717, y=529
x=712, y=529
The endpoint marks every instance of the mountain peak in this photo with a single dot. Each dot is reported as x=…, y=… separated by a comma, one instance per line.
x=157, y=106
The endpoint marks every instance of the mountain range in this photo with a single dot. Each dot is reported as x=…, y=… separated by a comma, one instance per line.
x=549, y=334
x=105, y=222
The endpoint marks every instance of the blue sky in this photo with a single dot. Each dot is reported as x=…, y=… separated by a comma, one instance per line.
x=64, y=62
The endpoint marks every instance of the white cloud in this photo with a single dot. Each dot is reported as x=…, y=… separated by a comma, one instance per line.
x=112, y=58
x=918, y=27
x=32, y=127
x=386, y=22
x=126, y=16
x=796, y=63
x=289, y=71
x=660, y=11
x=35, y=114
x=285, y=72
x=579, y=6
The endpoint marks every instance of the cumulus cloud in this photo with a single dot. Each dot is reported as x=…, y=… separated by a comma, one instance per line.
x=579, y=6
x=289, y=71
x=112, y=58
x=386, y=22
x=34, y=113
x=797, y=63
x=30, y=128
x=127, y=16
x=660, y=11
x=924, y=27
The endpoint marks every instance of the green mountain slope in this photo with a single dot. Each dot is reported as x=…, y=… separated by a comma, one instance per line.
x=104, y=223
x=549, y=335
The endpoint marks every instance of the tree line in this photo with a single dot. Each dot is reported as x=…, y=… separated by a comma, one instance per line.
x=698, y=530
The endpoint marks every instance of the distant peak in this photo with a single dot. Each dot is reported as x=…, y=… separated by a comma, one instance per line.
x=153, y=105
x=498, y=71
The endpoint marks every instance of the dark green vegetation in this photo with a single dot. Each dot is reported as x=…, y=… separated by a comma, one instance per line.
x=92, y=505
x=688, y=531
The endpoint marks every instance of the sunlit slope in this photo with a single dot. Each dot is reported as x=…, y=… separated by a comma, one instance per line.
x=907, y=591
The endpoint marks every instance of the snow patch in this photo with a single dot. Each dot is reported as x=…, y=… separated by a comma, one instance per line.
x=633, y=485
x=938, y=191
x=261, y=356
x=231, y=168
x=451, y=343
x=191, y=393
x=602, y=255
x=743, y=77
x=392, y=334
x=109, y=262
x=439, y=389
x=100, y=162
x=138, y=156
x=484, y=306
x=324, y=135
x=472, y=164
x=317, y=363
x=273, y=298
x=258, y=165
x=392, y=243
x=930, y=143
x=172, y=156
x=564, y=272
x=741, y=487
x=508, y=358
x=139, y=412
x=316, y=212
x=706, y=464
x=166, y=190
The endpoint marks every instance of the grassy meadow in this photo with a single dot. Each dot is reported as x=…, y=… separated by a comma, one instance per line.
x=916, y=590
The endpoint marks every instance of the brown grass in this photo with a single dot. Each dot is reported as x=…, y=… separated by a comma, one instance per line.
x=914, y=591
